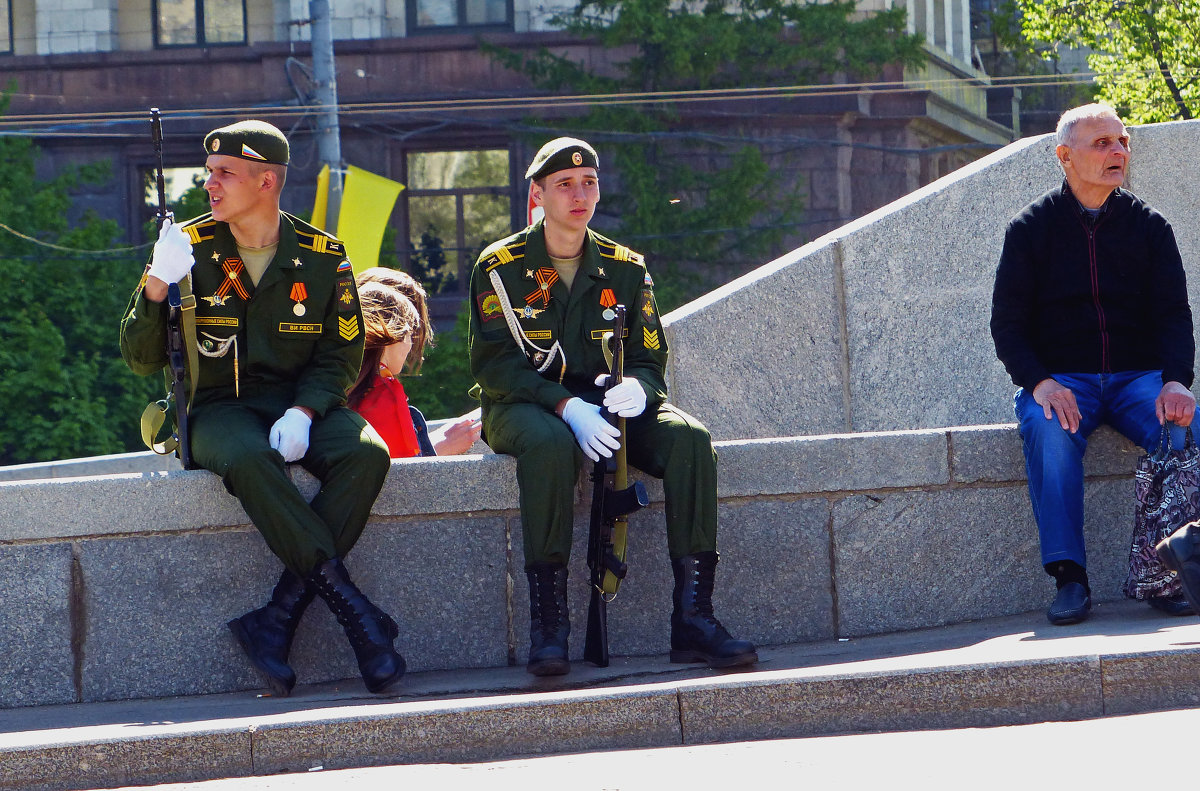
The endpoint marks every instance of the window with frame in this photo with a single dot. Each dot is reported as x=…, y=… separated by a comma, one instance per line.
x=429, y=16
x=459, y=202
x=184, y=188
x=6, y=36
x=199, y=23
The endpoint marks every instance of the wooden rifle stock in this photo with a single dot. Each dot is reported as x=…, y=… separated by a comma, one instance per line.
x=611, y=504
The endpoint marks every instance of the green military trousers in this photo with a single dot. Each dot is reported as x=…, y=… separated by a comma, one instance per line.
x=351, y=460
x=663, y=441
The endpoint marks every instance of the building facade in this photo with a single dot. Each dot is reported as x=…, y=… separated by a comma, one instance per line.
x=420, y=103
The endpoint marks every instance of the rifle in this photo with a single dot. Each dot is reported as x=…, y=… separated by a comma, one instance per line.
x=176, y=336
x=611, y=504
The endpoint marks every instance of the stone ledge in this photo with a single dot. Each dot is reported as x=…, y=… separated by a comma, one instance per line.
x=839, y=535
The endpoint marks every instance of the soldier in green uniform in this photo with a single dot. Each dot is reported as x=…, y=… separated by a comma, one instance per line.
x=279, y=340
x=541, y=301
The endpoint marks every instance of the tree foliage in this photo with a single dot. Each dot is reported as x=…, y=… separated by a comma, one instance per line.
x=1146, y=52
x=694, y=192
x=64, y=390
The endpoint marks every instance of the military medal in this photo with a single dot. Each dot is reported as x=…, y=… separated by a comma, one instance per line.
x=609, y=314
x=298, y=295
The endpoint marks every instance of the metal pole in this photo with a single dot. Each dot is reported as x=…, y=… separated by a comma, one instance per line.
x=329, y=142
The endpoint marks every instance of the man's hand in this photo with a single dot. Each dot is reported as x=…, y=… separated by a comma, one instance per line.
x=627, y=399
x=595, y=435
x=1058, y=400
x=172, y=258
x=289, y=435
x=1176, y=404
x=457, y=437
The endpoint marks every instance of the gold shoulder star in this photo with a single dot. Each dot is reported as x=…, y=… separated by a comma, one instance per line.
x=528, y=273
x=600, y=271
x=216, y=256
x=297, y=262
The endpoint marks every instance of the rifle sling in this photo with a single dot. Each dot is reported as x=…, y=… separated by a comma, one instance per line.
x=155, y=413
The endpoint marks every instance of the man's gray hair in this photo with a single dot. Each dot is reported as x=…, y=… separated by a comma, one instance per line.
x=1064, y=134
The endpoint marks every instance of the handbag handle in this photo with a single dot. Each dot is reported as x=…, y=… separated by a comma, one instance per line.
x=1165, y=436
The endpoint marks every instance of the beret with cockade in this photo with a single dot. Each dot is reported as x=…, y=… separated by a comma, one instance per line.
x=562, y=153
x=256, y=141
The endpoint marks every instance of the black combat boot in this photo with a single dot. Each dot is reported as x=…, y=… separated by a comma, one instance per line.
x=266, y=634
x=696, y=634
x=378, y=662
x=549, y=623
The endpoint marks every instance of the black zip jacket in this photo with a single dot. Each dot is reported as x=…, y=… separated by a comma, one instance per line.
x=1077, y=294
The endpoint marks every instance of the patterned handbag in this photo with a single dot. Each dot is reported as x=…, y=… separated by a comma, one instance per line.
x=1167, y=491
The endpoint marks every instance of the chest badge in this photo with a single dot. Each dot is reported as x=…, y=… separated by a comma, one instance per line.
x=530, y=312
x=233, y=269
x=546, y=277
x=298, y=295
x=216, y=300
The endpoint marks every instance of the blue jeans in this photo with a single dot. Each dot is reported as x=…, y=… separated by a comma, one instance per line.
x=1054, y=456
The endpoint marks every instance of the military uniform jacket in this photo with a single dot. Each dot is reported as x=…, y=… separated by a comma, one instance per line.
x=532, y=341
x=297, y=334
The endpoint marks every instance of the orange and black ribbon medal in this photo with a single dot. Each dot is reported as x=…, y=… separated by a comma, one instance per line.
x=545, y=277
x=233, y=269
x=298, y=295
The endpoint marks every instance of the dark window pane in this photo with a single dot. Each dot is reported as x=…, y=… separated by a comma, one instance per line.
x=487, y=12
x=486, y=218
x=431, y=13
x=5, y=30
x=434, y=216
x=458, y=169
x=177, y=22
x=223, y=22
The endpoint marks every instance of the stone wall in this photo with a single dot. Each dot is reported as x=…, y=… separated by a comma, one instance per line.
x=883, y=324
x=119, y=586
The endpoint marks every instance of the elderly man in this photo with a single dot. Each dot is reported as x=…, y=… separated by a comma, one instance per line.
x=279, y=340
x=1090, y=317
x=541, y=300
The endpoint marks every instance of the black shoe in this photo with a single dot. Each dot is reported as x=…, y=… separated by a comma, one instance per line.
x=266, y=634
x=549, y=621
x=696, y=634
x=1171, y=605
x=1180, y=552
x=1071, y=605
x=369, y=633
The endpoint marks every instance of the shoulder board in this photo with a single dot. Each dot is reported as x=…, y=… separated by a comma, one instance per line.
x=618, y=252
x=199, y=230
x=319, y=242
x=502, y=252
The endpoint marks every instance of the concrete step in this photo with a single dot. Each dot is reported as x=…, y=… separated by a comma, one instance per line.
x=1018, y=669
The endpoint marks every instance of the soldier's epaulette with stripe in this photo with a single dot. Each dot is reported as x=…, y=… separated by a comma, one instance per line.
x=200, y=229
x=319, y=242
x=618, y=252
x=502, y=252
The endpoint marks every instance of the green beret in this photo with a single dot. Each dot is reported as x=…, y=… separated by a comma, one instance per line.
x=257, y=141
x=562, y=153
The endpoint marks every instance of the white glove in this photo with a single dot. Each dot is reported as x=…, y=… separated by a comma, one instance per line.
x=627, y=399
x=172, y=254
x=595, y=435
x=289, y=435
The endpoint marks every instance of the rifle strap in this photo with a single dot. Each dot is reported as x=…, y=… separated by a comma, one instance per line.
x=187, y=321
x=155, y=413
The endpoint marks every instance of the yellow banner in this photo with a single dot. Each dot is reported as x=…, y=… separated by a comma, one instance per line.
x=321, y=203
x=367, y=202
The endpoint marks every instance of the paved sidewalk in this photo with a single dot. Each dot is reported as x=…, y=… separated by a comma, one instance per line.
x=1126, y=659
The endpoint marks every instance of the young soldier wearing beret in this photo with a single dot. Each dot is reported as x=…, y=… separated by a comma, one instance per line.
x=279, y=336
x=541, y=300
